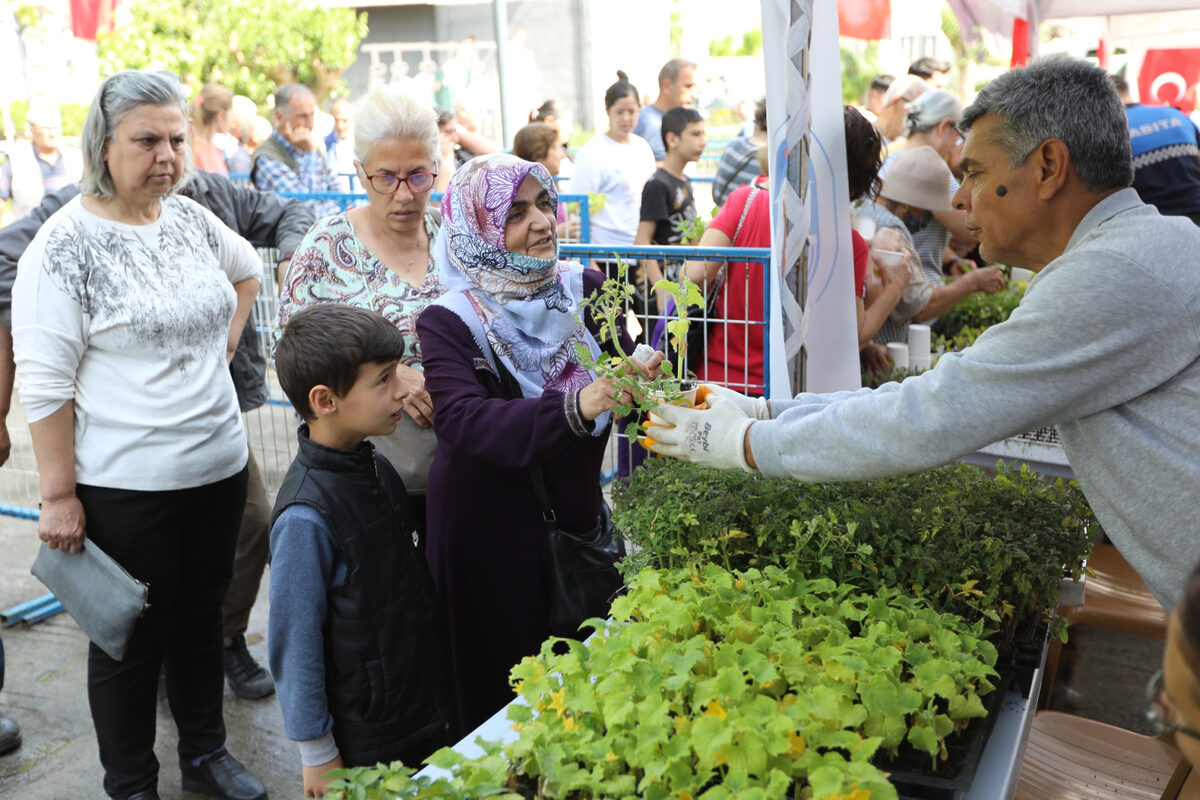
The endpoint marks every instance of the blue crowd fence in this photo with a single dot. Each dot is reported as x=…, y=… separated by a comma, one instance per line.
x=271, y=428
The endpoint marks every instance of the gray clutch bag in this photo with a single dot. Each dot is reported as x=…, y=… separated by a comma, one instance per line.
x=103, y=598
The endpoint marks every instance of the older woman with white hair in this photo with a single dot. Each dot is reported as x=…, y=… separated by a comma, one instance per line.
x=127, y=307
x=378, y=257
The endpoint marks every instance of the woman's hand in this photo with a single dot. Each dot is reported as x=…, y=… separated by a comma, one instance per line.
x=988, y=279
x=651, y=368
x=62, y=524
x=897, y=274
x=314, y=784
x=874, y=357
x=601, y=395
x=417, y=403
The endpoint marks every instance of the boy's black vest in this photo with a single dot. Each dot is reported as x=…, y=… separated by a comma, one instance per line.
x=386, y=672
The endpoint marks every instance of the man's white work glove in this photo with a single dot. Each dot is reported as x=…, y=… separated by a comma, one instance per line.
x=752, y=407
x=714, y=436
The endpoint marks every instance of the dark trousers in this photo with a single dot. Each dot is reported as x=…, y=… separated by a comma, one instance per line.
x=1, y=663
x=181, y=543
x=250, y=559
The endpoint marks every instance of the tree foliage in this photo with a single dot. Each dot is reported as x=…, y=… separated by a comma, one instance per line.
x=249, y=46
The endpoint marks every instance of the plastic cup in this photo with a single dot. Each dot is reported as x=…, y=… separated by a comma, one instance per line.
x=898, y=353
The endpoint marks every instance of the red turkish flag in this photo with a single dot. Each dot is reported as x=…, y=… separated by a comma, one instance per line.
x=91, y=16
x=1169, y=78
x=865, y=19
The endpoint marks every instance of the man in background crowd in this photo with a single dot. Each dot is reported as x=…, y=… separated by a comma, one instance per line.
x=339, y=145
x=38, y=167
x=292, y=160
x=676, y=87
x=931, y=70
x=873, y=106
x=1166, y=155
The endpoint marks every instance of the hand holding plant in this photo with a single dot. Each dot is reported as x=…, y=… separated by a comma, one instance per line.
x=642, y=385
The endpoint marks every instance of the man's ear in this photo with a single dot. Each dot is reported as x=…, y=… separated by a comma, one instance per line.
x=1051, y=162
x=322, y=400
x=672, y=139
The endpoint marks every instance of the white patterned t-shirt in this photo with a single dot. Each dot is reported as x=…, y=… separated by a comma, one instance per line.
x=132, y=322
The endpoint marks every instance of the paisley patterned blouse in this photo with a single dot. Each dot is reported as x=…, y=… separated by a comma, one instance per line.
x=333, y=266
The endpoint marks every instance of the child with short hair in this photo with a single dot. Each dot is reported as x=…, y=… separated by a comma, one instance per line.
x=668, y=205
x=355, y=639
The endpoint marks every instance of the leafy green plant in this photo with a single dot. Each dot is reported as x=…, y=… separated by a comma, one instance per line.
x=991, y=549
x=249, y=46
x=961, y=325
x=483, y=776
x=691, y=230
x=607, y=307
x=759, y=683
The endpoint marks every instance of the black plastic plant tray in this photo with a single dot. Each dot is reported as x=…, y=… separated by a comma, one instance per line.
x=912, y=774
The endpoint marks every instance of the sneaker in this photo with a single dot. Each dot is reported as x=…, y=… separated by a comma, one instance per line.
x=222, y=775
x=10, y=735
x=246, y=676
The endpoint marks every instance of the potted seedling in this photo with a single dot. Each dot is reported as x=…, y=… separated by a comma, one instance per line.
x=607, y=307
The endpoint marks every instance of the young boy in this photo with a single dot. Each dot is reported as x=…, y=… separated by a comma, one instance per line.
x=354, y=640
x=667, y=202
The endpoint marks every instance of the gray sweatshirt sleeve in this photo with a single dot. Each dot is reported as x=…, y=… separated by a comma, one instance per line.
x=1095, y=330
x=306, y=563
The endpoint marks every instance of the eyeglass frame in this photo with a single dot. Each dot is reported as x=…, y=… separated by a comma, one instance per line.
x=1159, y=724
x=399, y=180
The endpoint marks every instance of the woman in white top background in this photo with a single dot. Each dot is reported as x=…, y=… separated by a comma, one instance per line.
x=616, y=164
x=127, y=307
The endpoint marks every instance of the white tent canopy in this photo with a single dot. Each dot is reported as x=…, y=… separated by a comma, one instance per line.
x=998, y=15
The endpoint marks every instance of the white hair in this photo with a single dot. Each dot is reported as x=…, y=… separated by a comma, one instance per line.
x=390, y=112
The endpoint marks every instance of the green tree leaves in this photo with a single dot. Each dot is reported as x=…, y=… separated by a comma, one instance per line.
x=249, y=47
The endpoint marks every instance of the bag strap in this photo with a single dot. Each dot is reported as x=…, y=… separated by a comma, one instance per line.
x=714, y=290
x=535, y=470
x=754, y=189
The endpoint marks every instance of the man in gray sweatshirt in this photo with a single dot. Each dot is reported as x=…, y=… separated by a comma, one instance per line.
x=1105, y=345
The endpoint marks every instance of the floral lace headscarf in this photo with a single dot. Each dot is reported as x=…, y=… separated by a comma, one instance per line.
x=527, y=308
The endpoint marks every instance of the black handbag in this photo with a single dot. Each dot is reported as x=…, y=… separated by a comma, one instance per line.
x=579, y=569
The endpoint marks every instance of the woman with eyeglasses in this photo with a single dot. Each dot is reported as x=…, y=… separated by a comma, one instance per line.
x=1173, y=696
x=377, y=257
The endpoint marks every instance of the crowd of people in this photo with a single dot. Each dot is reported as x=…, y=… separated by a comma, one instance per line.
x=433, y=355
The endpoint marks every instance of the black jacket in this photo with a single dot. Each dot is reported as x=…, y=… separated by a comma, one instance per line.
x=386, y=668
x=261, y=217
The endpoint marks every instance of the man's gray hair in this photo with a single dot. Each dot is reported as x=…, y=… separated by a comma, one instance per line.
x=670, y=70
x=390, y=112
x=117, y=96
x=284, y=94
x=1059, y=97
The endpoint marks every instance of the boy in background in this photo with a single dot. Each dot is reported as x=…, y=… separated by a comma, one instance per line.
x=354, y=638
x=668, y=206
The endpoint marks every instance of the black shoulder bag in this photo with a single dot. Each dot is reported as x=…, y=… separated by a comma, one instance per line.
x=579, y=569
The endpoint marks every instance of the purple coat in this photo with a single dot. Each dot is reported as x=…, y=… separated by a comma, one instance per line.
x=485, y=529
